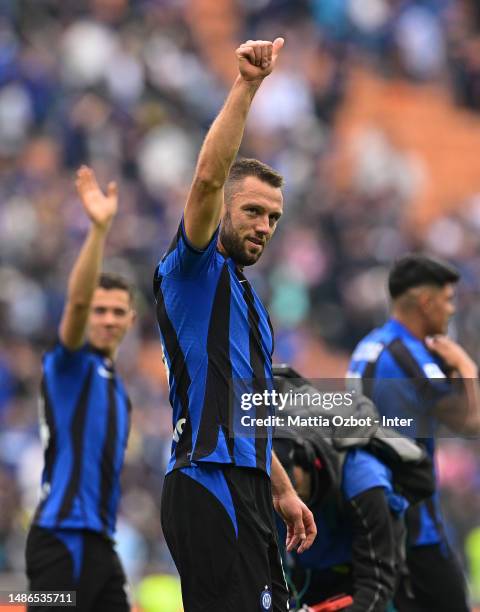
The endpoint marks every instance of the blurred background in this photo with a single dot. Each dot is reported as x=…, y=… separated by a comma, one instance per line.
x=373, y=116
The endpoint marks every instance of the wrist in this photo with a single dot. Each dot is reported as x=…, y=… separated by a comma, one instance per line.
x=282, y=490
x=468, y=369
x=251, y=84
x=281, y=483
x=100, y=229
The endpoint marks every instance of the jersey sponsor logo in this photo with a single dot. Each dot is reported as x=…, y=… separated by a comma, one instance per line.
x=177, y=432
x=367, y=351
x=432, y=370
x=103, y=372
x=266, y=599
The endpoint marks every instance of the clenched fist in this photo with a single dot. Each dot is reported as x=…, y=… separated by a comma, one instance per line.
x=257, y=58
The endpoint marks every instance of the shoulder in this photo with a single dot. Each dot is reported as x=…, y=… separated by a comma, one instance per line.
x=60, y=356
x=388, y=366
x=358, y=459
x=362, y=471
x=184, y=259
x=367, y=354
x=373, y=344
x=428, y=364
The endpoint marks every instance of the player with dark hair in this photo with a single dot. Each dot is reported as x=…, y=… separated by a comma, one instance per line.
x=217, y=513
x=417, y=270
x=357, y=480
x=411, y=369
x=85, y=420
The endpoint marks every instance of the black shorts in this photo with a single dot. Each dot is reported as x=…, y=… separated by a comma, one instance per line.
x=219, y=526
x=76, y=560
x=435, y=582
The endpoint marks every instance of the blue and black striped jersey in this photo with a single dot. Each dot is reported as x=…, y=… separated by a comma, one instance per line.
x=405, y=379
x=85, y=419
x=214, y=331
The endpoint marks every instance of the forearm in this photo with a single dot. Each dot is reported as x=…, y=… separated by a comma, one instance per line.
x=461, y=411
x=469, y=372
x=281, y=483
x=301, y=529
x=467, y=368
x=81, y=286
x=223, y=140
x=471, y=425
x=84, y=275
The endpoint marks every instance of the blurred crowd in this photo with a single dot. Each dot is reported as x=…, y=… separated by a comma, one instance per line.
x=130, y=87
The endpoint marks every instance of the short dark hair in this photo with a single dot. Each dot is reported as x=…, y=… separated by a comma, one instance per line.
x=109, y=280
x=244, y=167
x=415, y=269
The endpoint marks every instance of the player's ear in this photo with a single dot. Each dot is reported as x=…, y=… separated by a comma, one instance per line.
x=133, y=317
x=227, y=200
x=425, y=299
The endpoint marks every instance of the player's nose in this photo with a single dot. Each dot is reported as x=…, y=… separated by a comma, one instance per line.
x=109, y=318
x=262, y=226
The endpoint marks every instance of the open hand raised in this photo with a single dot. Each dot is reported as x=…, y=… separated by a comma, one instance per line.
x=99, y=207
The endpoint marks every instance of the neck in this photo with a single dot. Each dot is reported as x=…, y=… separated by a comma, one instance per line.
x=412, y=323
x=106, y=353
x=221, y=248
x=224, y=252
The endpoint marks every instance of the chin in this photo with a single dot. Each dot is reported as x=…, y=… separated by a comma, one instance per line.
x=252, y=258
x=103, y=347
x=245, y=259
x=250, y=261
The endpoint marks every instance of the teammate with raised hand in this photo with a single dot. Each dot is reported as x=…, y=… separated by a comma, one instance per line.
x=85, y=420
x=217, y=498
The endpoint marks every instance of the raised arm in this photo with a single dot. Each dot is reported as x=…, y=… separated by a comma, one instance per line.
x=256, y=60
x=83, y=278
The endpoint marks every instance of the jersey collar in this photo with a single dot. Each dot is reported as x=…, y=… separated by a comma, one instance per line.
x=400, y=329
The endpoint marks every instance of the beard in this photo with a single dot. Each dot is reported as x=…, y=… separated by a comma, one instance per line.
x=234, y=245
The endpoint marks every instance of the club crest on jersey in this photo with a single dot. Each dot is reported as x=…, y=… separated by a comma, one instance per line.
x=266, y=599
